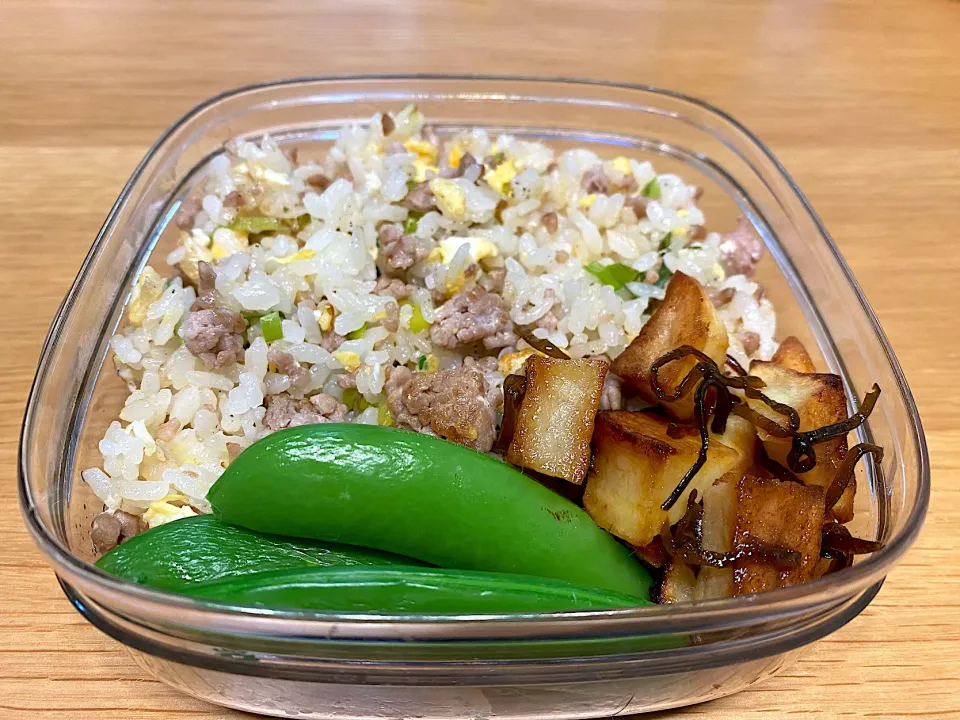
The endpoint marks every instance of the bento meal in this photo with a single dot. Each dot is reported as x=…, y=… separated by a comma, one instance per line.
x=465, y=374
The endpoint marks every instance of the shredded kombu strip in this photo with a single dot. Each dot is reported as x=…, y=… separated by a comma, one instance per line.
x=839, y=546
x=735, y=365
x=761, y=421
x=514, y=388
x=776, y=470
x=685, y=544
x=700, y=413
x=541, y=344
x=802, y=457
x=845, y=471
x=706, y=376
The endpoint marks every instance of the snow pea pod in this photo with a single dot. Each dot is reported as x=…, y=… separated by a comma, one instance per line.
x=422, y=497
x=393, y=590
x=199, y=549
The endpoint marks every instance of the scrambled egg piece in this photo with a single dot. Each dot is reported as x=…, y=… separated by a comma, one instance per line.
x=450, y=197
x=197, y=246
x=420, y=168
x=164, y=511
x=453, y=285
x=455, y=155
x=422, y=148
x=147, y=291
x=479, y=249
x=304, y=254
x=186, y=448
x=417, y=322
x=587, y=201
x=622, y=165
x=271, y=177
x=426, y=158
x=139, y=430
x=499, y=177
x=384, y=416
x=227, y=242
x=350, y=360
x=324, y=315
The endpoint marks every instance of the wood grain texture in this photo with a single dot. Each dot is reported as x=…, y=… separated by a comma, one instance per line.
x=859, y=99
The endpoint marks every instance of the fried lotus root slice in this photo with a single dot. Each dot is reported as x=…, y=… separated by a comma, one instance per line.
x=639, y=458
x=556, y=419
x=685, y=317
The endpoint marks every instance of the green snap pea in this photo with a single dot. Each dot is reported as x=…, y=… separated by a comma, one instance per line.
x=422, y=497
x=392, y=590
x=199, y=549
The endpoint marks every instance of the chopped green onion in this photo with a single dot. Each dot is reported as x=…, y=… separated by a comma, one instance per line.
x=651, y=190
x=256, y=224
x=251, y=318
x=417, y=322
x=384, y=416
x=665, y=243
x=358, y=333
x=412, y=185
x=663, y=275
x=410, y=225
x=302, y=221
x=270, y=327
x=422, y=362
x=616, y=275
x=355, y=400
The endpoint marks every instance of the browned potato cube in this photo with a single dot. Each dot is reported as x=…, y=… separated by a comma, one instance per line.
x=794, y=356
x=556, y=418
x=653, y=553
x=678, y=584
x=720, y=514
x=686, y=317
x=819, y=400
x=741, y=435
x=786, y=514
x=638, y=459
x=718, y=527
x=714, y=583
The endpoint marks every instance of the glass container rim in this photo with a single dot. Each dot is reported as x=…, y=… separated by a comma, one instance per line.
x=777, y=603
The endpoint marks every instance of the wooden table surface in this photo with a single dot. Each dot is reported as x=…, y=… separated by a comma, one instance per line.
x=860, y=100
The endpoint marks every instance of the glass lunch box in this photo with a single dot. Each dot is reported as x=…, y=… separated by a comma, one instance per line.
x=564, y=665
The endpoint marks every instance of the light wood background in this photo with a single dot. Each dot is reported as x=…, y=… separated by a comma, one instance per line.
x=859, y=99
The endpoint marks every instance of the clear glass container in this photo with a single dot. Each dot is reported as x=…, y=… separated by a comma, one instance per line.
x=565, y=665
